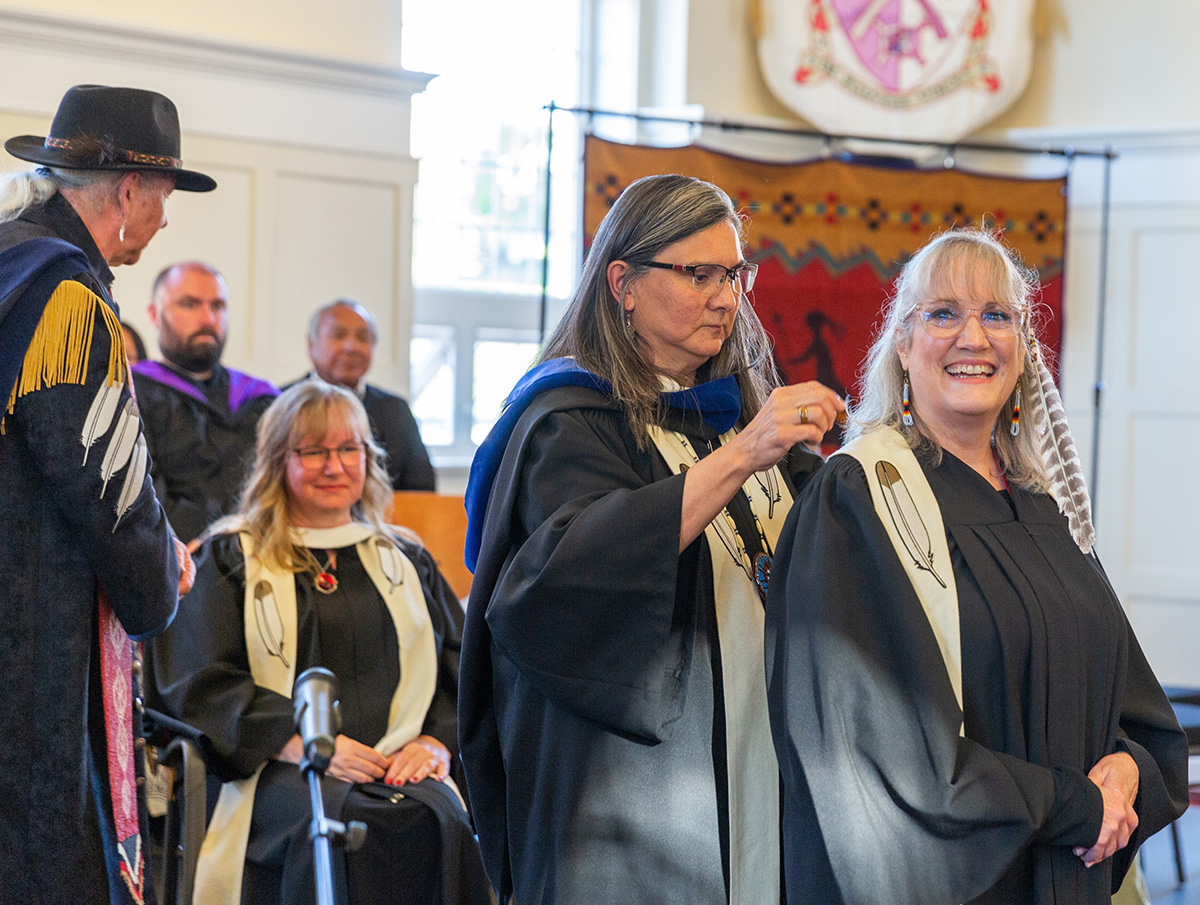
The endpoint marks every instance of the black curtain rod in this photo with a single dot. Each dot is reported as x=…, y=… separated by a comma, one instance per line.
x=730, y=126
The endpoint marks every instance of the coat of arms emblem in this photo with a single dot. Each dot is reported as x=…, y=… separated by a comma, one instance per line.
x=918, y=69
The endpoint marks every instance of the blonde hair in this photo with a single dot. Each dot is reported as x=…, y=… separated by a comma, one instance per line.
x=649, y=215
x=305, y=410
x=939, y=263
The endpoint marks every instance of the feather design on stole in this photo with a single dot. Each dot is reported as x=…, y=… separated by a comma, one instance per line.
x=270, y=625
x=120, y=447
x=389, y=561
x=100, y=415
x=1057, y=446
x=906, y=517
x=132, y=487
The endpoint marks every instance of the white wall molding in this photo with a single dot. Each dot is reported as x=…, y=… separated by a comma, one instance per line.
x=223, y=88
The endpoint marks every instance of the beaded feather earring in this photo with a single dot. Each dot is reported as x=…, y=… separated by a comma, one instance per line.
x=906, y=409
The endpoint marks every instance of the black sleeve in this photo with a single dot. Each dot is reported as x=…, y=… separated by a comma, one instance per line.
x=1150, y=733
x=586, y=605
x=408, y=460
x=866, y=724
x=798, y=466
x=446, y=613
x=85, y=441
x=202, y=671
x=187, y=518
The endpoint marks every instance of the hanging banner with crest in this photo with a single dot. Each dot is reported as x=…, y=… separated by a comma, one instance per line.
x=931, y=70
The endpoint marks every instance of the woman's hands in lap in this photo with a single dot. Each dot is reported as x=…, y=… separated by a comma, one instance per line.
x=352, y=760
x=423, y=757
x=1117, y=777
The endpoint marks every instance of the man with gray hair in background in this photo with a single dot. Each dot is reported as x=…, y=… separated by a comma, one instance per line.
x=341, y=341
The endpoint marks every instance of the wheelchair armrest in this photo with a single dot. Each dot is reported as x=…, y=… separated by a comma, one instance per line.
x=159, y=728
x=185, y=822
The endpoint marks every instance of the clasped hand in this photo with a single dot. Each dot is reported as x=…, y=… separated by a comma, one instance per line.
x=353, y=761
x=1117, y=777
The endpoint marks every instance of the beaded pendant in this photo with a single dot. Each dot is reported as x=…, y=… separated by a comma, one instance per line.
x=762, y=574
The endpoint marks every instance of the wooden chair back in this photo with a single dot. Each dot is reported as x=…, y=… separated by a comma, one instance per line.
x=441, y=522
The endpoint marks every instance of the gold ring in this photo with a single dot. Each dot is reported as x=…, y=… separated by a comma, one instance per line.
x=804, y=414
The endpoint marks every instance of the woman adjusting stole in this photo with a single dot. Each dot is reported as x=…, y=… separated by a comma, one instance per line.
x=623, y=513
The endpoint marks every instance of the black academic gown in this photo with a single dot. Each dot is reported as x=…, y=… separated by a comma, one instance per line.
x=883, y=800
x=201, y=436
x=591, y=717
x=396, y=430
x=418, y=850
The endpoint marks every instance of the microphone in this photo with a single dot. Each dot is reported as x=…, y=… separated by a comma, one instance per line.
x=317, y=717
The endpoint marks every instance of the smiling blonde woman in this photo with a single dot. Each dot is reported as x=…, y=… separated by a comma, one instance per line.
x=961, y=710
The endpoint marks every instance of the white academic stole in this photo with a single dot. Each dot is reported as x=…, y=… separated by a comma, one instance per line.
x=754, y=822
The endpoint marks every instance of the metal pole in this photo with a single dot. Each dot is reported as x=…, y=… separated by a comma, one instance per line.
x=732, y=126
x=1101, y=304
x=544, y=314
x=320, y=837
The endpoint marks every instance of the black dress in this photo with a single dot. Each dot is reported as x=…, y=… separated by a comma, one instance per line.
x=592, y=710
x=883, y=800
x=418, y=849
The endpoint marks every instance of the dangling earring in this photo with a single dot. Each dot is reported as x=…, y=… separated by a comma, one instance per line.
x=121, y=234
x=1016, y=415
x=629, y=330
x=906, y=410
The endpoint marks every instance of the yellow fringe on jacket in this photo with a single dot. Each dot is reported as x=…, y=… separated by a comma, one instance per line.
x=62, y=343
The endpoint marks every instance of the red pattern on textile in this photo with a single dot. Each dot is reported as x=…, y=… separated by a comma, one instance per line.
x=116, y=675
x=829, y=238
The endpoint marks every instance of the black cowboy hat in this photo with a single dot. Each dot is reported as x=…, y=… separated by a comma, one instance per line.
x=102, y=128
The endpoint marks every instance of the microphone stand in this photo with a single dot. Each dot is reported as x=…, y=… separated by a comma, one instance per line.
x=325, y=832
x=318, y=720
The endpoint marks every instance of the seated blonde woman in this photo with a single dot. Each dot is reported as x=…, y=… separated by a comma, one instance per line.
x=307, y=574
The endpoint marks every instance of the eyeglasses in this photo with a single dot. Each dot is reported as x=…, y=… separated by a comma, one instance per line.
x=314, y=457
x=710, y=278
x=945, y=320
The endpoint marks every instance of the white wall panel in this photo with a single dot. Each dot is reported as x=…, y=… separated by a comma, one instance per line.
x=1164, y=494
x=1149, y=491
x=336, y=238
x=1167, y=631
x=1165, y=314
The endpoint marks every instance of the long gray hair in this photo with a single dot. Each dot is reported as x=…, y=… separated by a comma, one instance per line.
x=24, y=189
x=652, y=213
x=928, y=274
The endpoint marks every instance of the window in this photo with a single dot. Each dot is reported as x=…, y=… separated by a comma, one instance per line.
x=480, y=133
x=433, y=357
